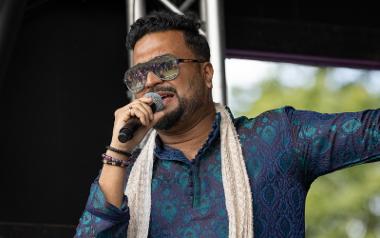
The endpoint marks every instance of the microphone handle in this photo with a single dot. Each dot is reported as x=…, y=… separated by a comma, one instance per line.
x=127, y=131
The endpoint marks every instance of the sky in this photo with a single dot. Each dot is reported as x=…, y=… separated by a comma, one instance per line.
x=245, y=74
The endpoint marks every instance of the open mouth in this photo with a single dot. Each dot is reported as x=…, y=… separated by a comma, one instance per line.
x=165, y=95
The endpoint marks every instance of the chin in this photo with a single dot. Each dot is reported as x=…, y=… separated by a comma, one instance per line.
x=170, y=119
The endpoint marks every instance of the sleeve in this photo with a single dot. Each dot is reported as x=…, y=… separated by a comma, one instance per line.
x=102, y=219
x=325, y=142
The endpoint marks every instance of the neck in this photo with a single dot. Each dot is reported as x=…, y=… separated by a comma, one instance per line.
x=189, y=139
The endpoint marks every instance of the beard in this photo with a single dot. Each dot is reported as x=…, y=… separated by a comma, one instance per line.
x=186, y=108
x=169, y=120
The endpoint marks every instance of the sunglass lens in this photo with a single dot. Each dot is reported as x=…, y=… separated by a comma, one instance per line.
x=167, y=69
x=135, y=79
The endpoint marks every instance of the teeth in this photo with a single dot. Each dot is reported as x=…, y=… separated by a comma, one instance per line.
x=166, y=95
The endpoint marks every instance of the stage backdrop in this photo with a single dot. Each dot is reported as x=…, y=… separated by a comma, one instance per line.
x=62, y=85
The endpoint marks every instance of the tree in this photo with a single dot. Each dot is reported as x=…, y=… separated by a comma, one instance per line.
x=345, y=203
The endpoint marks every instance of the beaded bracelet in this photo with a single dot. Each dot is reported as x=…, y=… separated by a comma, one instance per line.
x=115, y=162
x=122, y=152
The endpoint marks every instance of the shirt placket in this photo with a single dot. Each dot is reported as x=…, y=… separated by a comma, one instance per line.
x=194, y=184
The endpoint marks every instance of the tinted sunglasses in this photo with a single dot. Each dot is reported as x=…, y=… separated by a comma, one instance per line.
x=165, y=67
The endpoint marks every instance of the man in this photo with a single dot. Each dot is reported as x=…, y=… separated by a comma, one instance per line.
x=201, y=172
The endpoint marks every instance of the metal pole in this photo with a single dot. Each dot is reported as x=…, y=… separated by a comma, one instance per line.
x=175, y=9
x=171, y=7
x=214, y=19
x=135, y=10
x=202, y=10
x=185, y=5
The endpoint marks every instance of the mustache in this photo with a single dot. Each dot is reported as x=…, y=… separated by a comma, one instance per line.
x=163, y=88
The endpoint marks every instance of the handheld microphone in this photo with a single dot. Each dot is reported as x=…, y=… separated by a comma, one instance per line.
x=127, y=131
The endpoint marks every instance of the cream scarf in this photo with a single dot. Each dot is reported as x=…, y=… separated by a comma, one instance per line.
x=236, y=186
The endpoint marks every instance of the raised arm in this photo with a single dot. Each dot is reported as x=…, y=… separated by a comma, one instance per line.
x=328, y=142
x=106, y=213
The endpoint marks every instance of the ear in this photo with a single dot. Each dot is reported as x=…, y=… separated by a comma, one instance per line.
x=208, y=72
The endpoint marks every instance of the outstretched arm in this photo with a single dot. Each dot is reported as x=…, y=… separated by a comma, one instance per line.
x=328, y=142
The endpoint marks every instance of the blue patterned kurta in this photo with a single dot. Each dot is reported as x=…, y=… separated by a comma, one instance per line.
x=285, y=150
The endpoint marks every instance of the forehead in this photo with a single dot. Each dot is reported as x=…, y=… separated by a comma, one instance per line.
x=160, y=43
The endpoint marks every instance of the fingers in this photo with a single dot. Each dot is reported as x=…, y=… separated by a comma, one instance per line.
x=139, y=108
x=145, y=107
x=141, y=113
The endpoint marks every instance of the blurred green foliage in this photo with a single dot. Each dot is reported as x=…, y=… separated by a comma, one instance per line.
x=345, y=203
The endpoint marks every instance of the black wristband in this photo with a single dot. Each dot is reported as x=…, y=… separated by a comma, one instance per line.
x=122, y=152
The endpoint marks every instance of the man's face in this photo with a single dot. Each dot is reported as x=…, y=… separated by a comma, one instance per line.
x=184, y=96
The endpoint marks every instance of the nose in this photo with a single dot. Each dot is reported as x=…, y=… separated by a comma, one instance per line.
x=152, y=80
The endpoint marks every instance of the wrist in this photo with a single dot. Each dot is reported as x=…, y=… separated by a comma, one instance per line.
x=116, y=155
x=111, y=150
x=128, y=146
x=112, y=161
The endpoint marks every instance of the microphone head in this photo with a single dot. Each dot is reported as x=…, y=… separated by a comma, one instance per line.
x=157, y=101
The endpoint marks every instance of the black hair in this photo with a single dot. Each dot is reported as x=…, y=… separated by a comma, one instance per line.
x=163, y=21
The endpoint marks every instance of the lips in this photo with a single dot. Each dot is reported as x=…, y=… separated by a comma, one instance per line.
x=165, y=95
